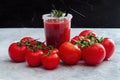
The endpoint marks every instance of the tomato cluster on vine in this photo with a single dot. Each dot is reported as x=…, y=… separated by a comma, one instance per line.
x=34, y=52
x=86, y=46
x=94, y=49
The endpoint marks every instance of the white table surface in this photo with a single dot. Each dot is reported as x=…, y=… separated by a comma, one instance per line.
x=108, y=70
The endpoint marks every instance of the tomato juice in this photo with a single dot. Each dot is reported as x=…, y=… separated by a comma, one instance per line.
x=57, y=31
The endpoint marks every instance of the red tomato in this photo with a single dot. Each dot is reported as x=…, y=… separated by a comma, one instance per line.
x=24, y=39
x=17, y=52
x=76, y=38
x=69, y=53
x=51, y=59
x=28, y=41
x=94, y=54
x=33, y=58
x=109, y=46
x=87, y=32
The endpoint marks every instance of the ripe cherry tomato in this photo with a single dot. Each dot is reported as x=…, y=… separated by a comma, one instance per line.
x=76, y=38
x=51, y=59
x=87, y=32
x=24, y=39
x=94, y=54
x=69, y=53
x=28, y=41
x=17, y=52
x=33, y=58
x=109, y=46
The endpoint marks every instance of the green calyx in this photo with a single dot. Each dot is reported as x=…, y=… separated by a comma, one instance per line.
x=27, y=43
x=19, y=43
x=49, y=48
x=32, y=45
x=32, y=48
x=57, y=13
x=88, y=40
x=39, y=45
x=83, y=43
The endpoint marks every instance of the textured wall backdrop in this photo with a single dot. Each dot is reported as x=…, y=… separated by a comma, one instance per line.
x=27, y=13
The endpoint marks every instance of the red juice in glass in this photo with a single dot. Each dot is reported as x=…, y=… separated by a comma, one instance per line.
x=57, y=30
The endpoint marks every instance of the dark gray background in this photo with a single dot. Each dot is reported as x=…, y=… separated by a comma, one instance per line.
x=28, y=13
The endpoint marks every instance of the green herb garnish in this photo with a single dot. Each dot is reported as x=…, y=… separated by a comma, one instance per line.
x=57, y=13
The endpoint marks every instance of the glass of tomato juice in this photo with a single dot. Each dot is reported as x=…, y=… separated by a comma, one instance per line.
x=57, y=29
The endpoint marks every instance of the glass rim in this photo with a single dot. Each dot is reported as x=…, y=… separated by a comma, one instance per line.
x=47, y=16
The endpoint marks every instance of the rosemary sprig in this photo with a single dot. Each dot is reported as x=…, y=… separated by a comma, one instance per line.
x=57, y=13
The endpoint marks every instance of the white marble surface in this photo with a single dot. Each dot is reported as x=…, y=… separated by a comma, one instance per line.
x=108, y=70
